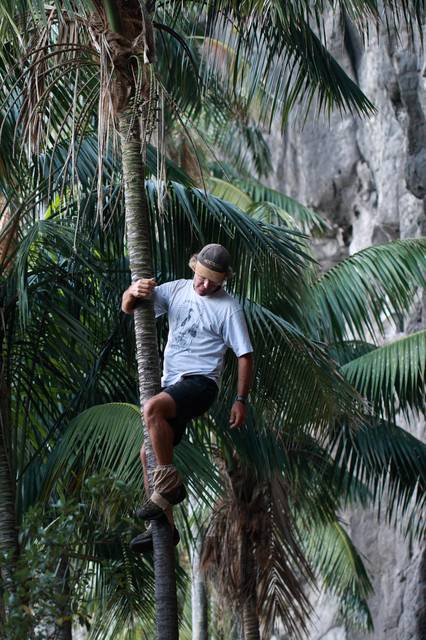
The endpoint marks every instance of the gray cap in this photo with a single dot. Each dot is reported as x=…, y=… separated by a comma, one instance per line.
x=215, y=257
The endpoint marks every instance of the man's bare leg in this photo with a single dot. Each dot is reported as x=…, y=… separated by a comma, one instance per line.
x=157, y=411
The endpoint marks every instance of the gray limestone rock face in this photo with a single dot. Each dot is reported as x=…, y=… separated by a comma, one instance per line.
x=367, y=177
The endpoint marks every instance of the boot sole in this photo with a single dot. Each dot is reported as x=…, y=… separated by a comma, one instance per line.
x=143, y=543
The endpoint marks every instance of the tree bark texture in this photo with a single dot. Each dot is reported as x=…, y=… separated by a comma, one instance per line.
x=138, y=241
x=8, y=525
x=250, y=620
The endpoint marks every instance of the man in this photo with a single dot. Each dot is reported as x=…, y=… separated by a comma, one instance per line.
x=204, y=320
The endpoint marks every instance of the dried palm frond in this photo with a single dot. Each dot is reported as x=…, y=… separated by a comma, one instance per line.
x=251, y=551
x=69, y=62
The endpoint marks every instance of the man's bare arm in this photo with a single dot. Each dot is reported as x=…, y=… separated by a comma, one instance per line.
x=239, y=409
x=137, y=291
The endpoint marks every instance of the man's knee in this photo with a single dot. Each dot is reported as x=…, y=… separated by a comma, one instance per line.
x=150, y=411
x=159, y=406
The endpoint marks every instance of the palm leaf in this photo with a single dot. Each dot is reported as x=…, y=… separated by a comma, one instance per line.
x=341, y=569
x=229, y=192
x=252, y=521
x=308, y=219
x=229, y=129
x=355, y=297
x=265, y=204
x=284, y=571
x=319, y=485
x=392, y=464
x=311, y=379
x=241, y=142
x=392, y=377
x=193, y=217
x=277, y=60
x=348, y=350
x=110, y=437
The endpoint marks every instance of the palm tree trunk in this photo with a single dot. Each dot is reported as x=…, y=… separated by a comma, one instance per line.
x=132, y=133
x=8, y=529
x=138, y=240
x=250, y=620
x=199, y=599
x=199, y=590
x=8, y=525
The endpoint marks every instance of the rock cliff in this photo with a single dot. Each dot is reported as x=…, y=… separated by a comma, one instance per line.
x=368, y=178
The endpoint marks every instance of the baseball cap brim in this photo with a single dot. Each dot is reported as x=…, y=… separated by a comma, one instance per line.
x=205, y=272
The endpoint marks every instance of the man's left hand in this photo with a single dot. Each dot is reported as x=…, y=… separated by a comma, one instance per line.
x=238, y=415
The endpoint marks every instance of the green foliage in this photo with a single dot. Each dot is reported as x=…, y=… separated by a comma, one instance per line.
x=75, y=564
x=341, y=568
x=265, y=204
x=68, y=351
x=271, y=58
x=109, y=437
x=290, y=428
x=354, y=298
x=392, y=464
x=50, y=585
x=392, y=377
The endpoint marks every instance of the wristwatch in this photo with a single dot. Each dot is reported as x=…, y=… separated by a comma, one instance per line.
x=242, y=399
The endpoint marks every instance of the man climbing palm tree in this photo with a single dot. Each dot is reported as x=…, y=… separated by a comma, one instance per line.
x=204, y=320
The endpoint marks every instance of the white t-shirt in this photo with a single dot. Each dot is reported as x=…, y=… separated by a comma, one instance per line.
x=201, y=328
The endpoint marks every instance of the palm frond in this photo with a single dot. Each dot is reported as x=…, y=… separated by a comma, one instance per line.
x=42, y=234
x=295, y=376
x=252, y=521
x=231, y=130
x=194, y=217
x=392, y=377
x=126, y=601
x=319, y=486
x=179, y=66
x=229, y=192
x=392, y=464
x=265, y=204
x=277, y=61
x=336, y=560
x=308, y=220
x=243, y=144
x=284, y=571
x=348, y=350
x=356, y=297
x=110, y=437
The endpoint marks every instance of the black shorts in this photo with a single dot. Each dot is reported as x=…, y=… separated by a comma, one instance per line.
x=193, y=395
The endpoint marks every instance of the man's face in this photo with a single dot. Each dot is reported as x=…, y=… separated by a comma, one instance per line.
x=204, y=286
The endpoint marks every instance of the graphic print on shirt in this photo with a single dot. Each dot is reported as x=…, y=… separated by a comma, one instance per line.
x=186, y=324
